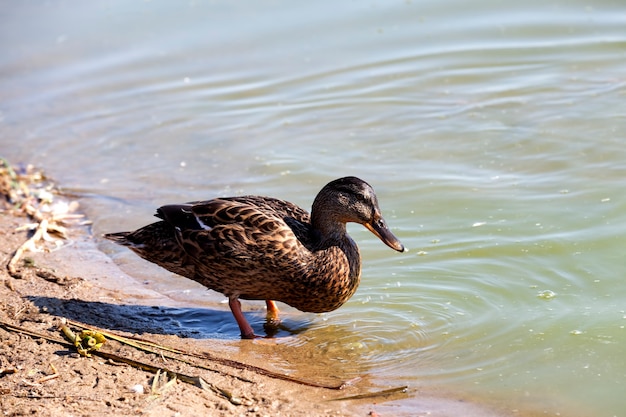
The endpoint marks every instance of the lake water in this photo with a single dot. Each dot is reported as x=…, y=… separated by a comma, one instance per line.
x=494, y=134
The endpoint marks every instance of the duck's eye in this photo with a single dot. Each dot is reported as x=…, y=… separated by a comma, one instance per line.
x=381, y=224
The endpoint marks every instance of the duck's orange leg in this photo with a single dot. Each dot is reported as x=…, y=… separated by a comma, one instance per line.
x=244, y=326
x=272, y=313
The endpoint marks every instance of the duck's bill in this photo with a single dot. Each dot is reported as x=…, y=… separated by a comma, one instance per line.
x=381, y=230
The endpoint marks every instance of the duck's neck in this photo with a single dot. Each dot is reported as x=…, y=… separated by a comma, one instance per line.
x=326, y=217
x=333, y=236
x=325, y=221
x=330, y=232
x=337, y=262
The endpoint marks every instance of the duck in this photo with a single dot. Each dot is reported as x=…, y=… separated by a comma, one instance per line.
x=263, y=248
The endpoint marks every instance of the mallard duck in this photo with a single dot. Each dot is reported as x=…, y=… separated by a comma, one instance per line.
x=262, y=248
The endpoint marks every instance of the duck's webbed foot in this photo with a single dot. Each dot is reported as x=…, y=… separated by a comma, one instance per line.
x=272, y=319
x=272, y=316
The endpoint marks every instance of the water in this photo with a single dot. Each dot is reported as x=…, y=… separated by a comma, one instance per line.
x=493, y=133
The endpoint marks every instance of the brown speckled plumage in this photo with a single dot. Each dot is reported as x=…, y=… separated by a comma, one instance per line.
x=262, y=248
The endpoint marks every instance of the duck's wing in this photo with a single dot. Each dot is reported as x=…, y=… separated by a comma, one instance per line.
x=250, y=228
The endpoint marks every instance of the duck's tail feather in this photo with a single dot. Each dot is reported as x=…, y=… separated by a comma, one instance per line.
x=121, y=238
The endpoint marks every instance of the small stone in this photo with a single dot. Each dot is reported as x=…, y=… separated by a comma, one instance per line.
x=137, y=389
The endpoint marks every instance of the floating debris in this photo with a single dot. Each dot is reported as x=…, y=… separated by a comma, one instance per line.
x=546, y=294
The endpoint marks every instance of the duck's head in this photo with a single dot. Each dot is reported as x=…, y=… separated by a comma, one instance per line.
x=351, y=199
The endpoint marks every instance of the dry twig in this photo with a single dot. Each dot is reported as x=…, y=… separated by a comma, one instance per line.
x=54, y=375
x=35, y=202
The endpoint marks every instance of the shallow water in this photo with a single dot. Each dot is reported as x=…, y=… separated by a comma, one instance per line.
x=493, y=133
